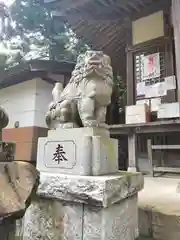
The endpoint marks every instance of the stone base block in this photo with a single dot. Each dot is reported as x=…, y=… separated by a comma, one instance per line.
x=84, y=208
x=52, y=219
x=78, y=151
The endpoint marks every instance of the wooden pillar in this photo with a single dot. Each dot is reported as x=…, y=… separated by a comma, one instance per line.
x=130, y=78
x=130, y=66
x=132, y=152
x=132, y=138
x=150, y=158
x=176, y=25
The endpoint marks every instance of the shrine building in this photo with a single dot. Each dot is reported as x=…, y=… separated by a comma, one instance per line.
x=25, y=93
x=142, y=37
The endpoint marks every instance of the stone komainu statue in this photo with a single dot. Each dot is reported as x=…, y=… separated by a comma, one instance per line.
x=86, y=96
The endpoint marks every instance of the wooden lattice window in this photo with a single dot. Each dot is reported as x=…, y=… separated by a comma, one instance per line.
x=162, y=53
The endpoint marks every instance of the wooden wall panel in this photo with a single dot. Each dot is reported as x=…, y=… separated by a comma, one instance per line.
x=26, y=140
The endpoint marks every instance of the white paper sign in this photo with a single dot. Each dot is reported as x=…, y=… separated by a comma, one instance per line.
x=155, y=103
x=170, y=82
x=150, y=92
x=156, y=90
x=161, y=89
x=168, y=110
x=151, y=66
x=142, y=101
x=140, y=89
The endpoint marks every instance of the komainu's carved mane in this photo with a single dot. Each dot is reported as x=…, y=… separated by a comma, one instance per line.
x=85, y=65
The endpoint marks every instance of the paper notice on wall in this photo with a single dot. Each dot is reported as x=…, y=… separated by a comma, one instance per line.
x=143, y=101
x=140, y=89
x=151, y=66
x=150, y=92
x=155, y=103
x=161, y=89
x=156, y=90
x=170, y=82
x=169, y=110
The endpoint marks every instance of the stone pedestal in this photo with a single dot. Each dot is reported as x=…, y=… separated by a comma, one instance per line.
x=84, y=208
x=78, y=151
x=81, y=195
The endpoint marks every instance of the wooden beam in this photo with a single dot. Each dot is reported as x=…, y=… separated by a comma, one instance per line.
x=167, y=169
x=150, y=158
x=102, y=11
x=144, y=3
x=130, y=70
x=123, y=5
x=70, y=4
x=117, y=10
x=165, y=147
x=134, y=6
x=49, y=1
x=151, y=127
x=150, y=9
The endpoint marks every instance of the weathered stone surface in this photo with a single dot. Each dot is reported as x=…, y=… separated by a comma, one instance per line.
x=52, y=220
x=145, y=222
x=78, y=151
x=165, y=227
x=18, y=181
x=119, y=221
x=104, y=155
x=86, y=96
x=159, y=209
x=159, y=226
x=98, y=191
x=57, y=220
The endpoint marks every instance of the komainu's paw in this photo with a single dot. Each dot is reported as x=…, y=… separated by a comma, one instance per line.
x=103, y=125
x=90, y=123
x=68, y=125
x=94, y=123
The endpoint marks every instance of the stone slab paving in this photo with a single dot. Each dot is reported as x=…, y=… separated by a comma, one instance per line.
x=144, y=238
x=159, y=208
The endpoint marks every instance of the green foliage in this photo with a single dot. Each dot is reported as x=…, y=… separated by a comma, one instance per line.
x=5, y=22
x=36, y=35
x=3, y=59
x=120, y=89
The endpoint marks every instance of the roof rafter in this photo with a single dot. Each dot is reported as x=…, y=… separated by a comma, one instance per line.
x=68, y=4
x=103, y=23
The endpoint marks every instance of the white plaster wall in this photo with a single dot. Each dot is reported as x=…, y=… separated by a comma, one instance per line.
x=27, y=102
x=19, y=102
x=43, y=98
